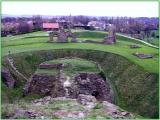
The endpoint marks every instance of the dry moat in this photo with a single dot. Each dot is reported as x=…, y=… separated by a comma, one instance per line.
x=70, y=84
x=78, y=82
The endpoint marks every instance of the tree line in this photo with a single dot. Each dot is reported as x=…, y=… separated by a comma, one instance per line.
x=136, y=27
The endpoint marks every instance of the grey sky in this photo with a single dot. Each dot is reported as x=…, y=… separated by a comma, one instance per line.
x=130, y=9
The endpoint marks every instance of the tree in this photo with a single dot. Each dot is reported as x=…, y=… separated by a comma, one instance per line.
x=82, y=19
x=153, y=34
x=142, y=34
x=23, y=27
x=37, y=22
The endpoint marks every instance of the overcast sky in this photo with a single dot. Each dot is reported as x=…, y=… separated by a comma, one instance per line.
x=130, y=9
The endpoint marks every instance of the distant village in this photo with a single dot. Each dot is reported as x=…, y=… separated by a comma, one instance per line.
x=135, y=27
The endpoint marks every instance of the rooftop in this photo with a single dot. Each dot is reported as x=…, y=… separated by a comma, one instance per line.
x=50, y=25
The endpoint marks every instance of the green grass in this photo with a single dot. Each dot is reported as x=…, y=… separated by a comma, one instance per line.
x=75, y=65
x=47, y=71
x=72, y=66
x=154, y=41
x=40, y=43
x=10, y=95
x=40, y=33
x=120, y=48
x=24, y=41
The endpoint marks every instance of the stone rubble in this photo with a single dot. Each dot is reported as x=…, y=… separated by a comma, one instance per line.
x=43, y=101
x=92, y=84
x=68, y=114
x=143, y=56
x=87, y=100
x=21, y=113
x=46, y=85
x=60, y=85
x=134, y=46
x=62, y=36
x=114, y=111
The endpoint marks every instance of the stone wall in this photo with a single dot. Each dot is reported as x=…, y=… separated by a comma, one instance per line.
x=46, y=85
x=62, y=36
x=111, y=37
x=83, y=83
x=50, y=66
x=91, y=84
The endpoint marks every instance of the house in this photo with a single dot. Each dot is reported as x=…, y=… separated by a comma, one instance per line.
x=63, y=23
x=97, y=25
x=83, y=27
x=50, y=26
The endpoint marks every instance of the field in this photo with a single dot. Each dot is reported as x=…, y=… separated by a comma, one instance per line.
x=38, y=41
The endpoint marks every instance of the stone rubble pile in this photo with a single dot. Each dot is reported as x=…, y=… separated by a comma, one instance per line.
x=87, y=100
x=114, y=111
x=143, y=56
x=68, y=114
x=92, y=84
x=134, y=46
x=43, y=101
x=62, y=36
x=46, y=85
x=20, y=113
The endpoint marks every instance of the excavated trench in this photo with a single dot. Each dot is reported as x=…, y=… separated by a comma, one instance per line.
x=69, y=80
x=115, y=75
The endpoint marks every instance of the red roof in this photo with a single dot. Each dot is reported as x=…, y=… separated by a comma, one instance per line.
x=50, y=25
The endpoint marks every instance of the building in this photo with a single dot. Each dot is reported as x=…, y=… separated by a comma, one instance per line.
x=97, y=25
x=51, y=26
x=63, y=23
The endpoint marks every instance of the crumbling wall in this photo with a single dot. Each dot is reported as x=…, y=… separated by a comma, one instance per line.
x=91, y=84
x=46, y=85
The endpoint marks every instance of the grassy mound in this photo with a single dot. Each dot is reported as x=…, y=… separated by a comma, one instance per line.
x=137, y=89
